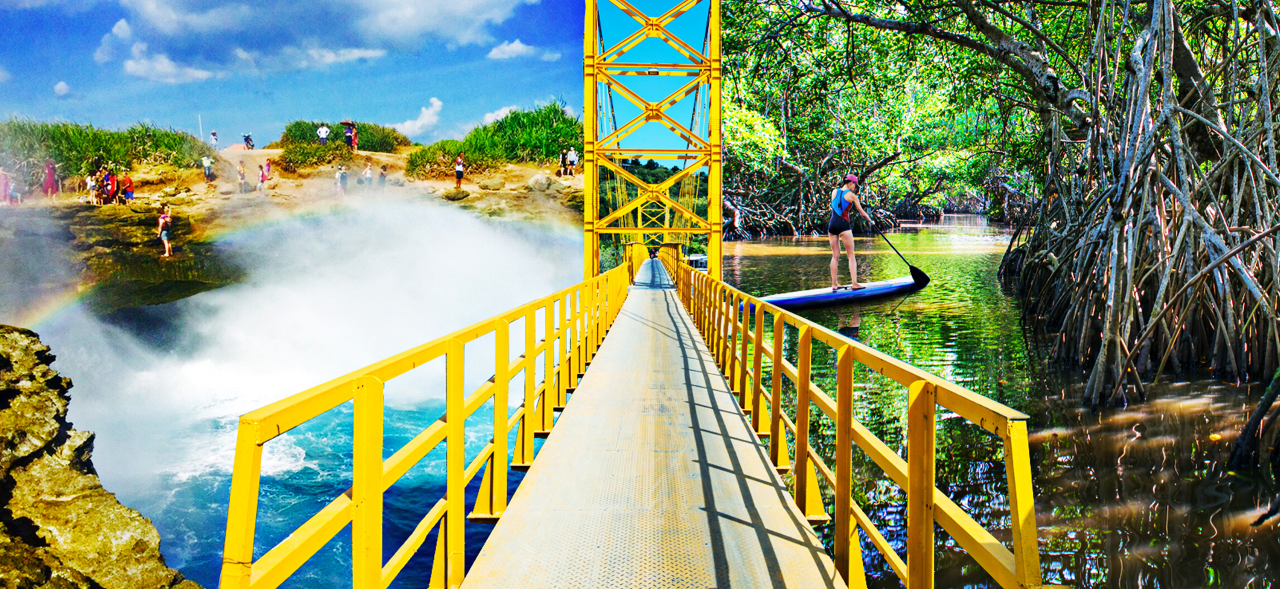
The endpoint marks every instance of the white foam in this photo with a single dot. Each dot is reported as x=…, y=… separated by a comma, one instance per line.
x=324, y=296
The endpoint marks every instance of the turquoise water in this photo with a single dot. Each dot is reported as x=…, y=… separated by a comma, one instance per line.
x=1128, y=498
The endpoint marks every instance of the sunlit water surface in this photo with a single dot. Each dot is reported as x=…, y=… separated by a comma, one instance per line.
x=1128, y=498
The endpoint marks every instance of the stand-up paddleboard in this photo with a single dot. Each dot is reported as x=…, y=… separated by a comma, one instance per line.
x=824, y=297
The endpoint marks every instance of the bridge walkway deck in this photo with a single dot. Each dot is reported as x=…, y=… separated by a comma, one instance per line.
x=652, y=476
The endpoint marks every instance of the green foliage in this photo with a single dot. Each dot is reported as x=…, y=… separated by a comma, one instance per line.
x=841, y=97
x=750, y=137
x=535, y=136
x=309, y=155
x=372, y=137
x=80, y=149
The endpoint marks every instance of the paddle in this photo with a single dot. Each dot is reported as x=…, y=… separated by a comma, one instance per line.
x=917, y=274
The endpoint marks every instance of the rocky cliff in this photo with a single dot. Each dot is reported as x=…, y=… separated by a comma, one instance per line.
x=58, y=527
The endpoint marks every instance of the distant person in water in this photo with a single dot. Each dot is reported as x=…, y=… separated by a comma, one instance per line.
x=573, y=160
x=207, y=162
x=843, y=199
x=459, y=168
x=50, y=179
x=166, y=226
x=368, y=175
x=340, y=180
x=382, y=177
x=323, y=134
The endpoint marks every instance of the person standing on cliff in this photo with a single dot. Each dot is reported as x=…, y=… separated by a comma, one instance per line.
x=323, y=134
x=126, y=187
x=166, y=226
x=240, y=173
x=213, y=138
x=50, y=179
x=262, y=178
x=459, y=167
x=4, y=187
x=207, y=162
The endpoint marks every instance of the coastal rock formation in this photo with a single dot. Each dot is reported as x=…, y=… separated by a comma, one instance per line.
x=492, y=184
x=58, y=526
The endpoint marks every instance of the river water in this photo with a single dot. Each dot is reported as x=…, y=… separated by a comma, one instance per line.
x=1136, y=497
x=1129, y=498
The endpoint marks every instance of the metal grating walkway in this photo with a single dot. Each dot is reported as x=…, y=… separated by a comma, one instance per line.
x=652, y=477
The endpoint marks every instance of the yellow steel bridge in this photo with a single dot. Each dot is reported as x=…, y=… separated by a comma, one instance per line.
x=678, y=434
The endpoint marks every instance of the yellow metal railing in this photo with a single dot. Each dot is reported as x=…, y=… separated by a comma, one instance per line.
x=575, y=321
x=732, y=324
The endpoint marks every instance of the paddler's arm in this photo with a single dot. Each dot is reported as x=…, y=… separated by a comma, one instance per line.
x=851, y=197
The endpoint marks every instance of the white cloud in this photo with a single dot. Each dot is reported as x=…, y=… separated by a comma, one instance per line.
x=464, y=22
x=550, y=56
x=170, y=18
x=499, y=114
x=61, y=89
x=119, y=35
x=510, y=49
x=122, y=29
x=159, y=68
x=4, y=76
x=328, y=56
x=427, y=119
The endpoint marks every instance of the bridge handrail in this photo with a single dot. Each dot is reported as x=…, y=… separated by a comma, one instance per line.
x=732, y=322
x=575, y=321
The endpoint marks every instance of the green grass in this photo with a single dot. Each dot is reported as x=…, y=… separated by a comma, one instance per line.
x=535, y=136
x=81, y=149
x=372, y=137
x=307, y=155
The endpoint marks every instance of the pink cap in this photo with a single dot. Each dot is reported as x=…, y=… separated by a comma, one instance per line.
x=851, y=178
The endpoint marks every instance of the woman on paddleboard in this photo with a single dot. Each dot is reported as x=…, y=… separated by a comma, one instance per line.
x=838, y=230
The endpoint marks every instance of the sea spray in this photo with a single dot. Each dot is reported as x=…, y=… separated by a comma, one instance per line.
x=324, y=294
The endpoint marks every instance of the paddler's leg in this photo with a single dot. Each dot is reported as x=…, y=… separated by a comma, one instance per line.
x=835, y=260
x=847, y=238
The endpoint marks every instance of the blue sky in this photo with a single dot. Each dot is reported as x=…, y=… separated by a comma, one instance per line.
x=436, y=67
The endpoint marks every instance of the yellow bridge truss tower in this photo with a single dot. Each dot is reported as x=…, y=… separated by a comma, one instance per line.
x=619, y=206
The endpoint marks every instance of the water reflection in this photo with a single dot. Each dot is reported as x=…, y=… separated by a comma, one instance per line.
x=1132, y=498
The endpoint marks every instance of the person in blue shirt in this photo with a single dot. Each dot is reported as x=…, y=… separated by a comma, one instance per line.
x=844, y=199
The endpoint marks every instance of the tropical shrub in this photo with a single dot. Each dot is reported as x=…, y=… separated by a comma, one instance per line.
x=79, y=149
x=309, y=155
x=372, y=137
x=535, y=136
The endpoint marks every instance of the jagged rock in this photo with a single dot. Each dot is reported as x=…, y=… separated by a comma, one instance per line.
x=397, y=181
x=540, y=183
x=65, y=530
x=455, y=195
x=492, y=184
x=227, y=191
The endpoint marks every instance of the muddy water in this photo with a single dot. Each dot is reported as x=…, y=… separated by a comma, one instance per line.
x=1137, y=497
